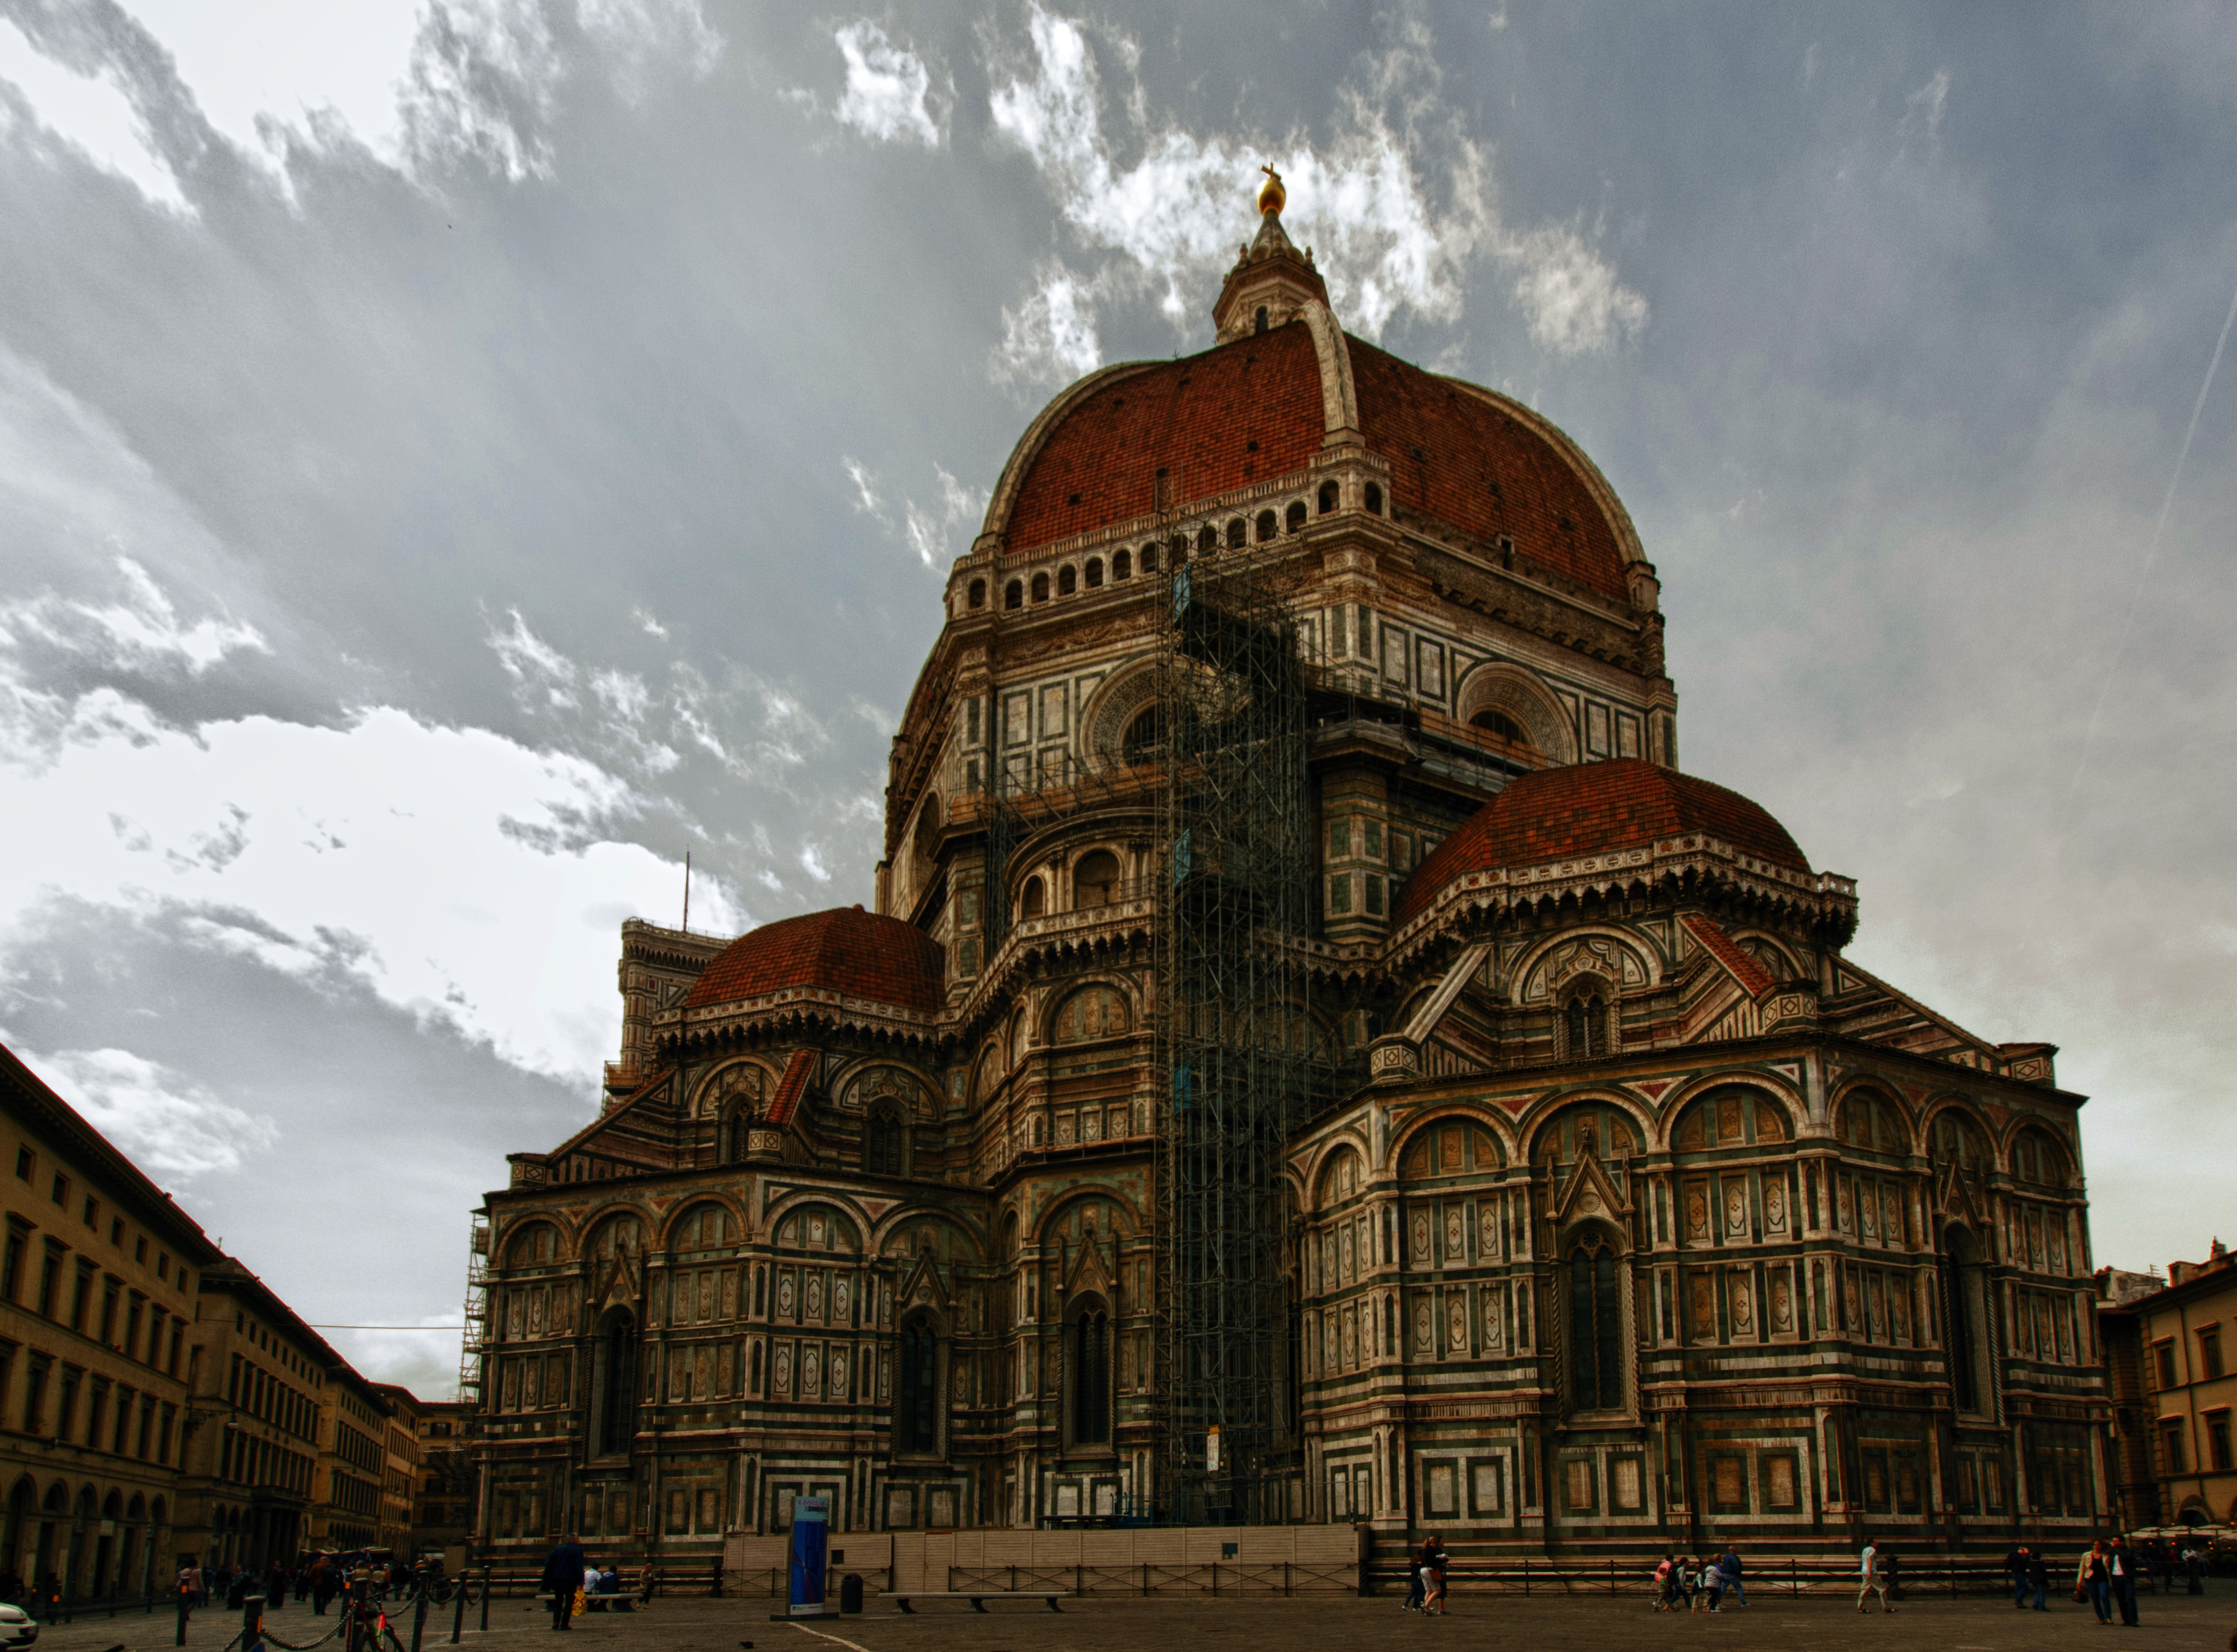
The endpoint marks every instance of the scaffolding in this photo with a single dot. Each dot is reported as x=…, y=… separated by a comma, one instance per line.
x=1236, y=1050
x=474, y=1334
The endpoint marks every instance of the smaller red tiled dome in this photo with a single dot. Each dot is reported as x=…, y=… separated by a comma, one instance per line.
x=845, y=950
x=1588, y=809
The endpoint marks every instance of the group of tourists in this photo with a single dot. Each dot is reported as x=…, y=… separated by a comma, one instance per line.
x=1684, y=1583
x=317, y=1578
x=572, y=1583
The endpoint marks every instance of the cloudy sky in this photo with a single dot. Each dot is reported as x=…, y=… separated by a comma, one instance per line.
x=456, y=458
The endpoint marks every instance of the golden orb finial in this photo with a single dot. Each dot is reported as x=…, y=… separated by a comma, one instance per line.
x=1271, y=196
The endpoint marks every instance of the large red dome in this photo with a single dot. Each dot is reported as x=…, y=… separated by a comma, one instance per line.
x=1588, y=809
x=1256, y=408
x=847, y=950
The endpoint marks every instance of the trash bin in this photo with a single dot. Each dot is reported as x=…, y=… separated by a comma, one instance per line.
x=850, y=1592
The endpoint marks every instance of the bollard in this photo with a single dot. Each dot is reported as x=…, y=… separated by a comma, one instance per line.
x=181, y=1640
x=458, y=1615
x=419, y=1619
x=485, y=1594
x=252, y=1623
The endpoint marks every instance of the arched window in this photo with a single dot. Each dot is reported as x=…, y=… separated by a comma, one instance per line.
x=1095, y=572
x=704, y=1227
x=1207, y=540
x=1267, y=527
x=1035, y=900
x=1122, y=565
x=1585, y=1025
x=1260, y=320
x=1014, y=595
x=1595, y=1328
x=1960, y=1345
x=1374, y=499
x=1145, y=737
x=1502, y=726
x=885, y=1141
x=1040, y=587
x=916, y=1417
x=1067, y=580
x=1178, y=546
x=978, y=597
x=1297, y=515
x=1090, y=1377
x=1238, y=533
x=614, y=1391
x=1149, y=559
x=538, y=1243
x=1095, y=880
x=1328, y=497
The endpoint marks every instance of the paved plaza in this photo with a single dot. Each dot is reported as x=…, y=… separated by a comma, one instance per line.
x=1327, y=1624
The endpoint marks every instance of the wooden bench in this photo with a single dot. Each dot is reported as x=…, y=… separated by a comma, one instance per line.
x=977, y=1598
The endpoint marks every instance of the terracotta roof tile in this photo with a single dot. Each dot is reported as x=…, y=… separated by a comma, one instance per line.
x=1726, y=951
x=792, y=1086
x=1459, y=459
x=1211, y=422
x=1586, y=809
x=1453, y=455
x=847, y=950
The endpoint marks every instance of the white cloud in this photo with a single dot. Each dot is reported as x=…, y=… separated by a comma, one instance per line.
x=1361, y=203
x=887, y=88
x=455, y=873
x=1571, y=297
x=160, y=1118
x=928, y=528
x=141, y=631
x=1922, y=110
x=91, y=113
x=865, y=490
x=811, y=861
x=1050, y=339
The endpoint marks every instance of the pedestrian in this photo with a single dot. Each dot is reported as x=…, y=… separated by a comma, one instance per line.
x=562, y=1575
x=1433, y=1604
x=1417, y=1588
x=1666, y=1583
x=1712, y=1584
x=646, y=1578
x=2038, y=1577
x=2194, y=1567
x=2016, y=1573
x=1872, y=1576
x=322, y=1583
x=2120, y=1577
x=1730, y=1565
x=2090, y=1582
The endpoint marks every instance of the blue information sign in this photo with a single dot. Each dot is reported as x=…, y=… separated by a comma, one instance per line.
x=811, y=1528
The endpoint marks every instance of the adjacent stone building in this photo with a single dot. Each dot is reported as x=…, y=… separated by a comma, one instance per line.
x=1618, y=1206
x=2169, y=1344
x=98, y=1294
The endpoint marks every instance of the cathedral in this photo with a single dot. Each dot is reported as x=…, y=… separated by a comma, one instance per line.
x=1313, y=1056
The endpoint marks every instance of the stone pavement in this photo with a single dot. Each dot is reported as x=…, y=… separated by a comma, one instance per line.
x=1333, y=1623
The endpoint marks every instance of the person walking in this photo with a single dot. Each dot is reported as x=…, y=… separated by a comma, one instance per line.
x=2016, y=1573
x=1730, y=1565
x=1433, y=1603
x=1872, y=1576
x=1712, y=1584
x=2194, y=1567
x=2038, y=1578
x=1665, y=1585
x=2090, y=1580
x=1418, y=1586
x=2121, y=1579
x=322, y=1583
x=562, y=1575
